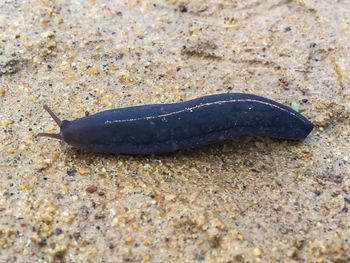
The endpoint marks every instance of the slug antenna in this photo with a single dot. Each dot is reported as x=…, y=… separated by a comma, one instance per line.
x=51, y=135
x=57, y=120
x=53, y=115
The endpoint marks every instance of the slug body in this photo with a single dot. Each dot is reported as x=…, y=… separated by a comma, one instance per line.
x=163, y=128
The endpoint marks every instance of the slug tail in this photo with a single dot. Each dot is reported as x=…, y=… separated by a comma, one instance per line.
x=53, y=116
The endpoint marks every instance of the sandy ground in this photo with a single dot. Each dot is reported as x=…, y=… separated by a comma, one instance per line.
x=248, y=200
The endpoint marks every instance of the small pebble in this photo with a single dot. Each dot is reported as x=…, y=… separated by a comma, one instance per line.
x=347, y=199
x=94, y=70
x=257, y=252
x=3, y=91
x=183, y=8
x=84, y=171
x=71, y=172
x=57, y=231
x=91, y=189
x=47, y=34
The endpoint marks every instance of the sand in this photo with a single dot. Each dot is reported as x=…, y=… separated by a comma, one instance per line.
x=246, y=200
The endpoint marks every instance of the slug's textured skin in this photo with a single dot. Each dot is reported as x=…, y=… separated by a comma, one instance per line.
x=162, y=128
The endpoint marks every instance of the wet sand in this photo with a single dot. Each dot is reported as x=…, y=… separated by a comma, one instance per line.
x=246, y=200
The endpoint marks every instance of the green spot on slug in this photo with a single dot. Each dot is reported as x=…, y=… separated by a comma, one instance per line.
x=294, y=105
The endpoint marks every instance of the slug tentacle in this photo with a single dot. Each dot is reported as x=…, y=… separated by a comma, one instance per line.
x=53, y=115
x=57, y=120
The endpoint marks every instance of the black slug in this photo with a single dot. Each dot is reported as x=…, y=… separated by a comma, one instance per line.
x=163, y=128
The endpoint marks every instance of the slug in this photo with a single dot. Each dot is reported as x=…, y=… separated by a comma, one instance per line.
x=164, y=128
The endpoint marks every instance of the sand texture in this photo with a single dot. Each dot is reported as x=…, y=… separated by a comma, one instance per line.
x=246, y=200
